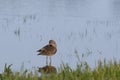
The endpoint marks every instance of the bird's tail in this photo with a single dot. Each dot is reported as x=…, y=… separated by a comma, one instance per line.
x=38, y=54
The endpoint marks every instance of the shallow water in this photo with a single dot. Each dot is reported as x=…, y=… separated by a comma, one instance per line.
x=84, y=27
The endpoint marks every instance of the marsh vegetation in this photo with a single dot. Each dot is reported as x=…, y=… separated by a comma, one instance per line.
x=103, y=71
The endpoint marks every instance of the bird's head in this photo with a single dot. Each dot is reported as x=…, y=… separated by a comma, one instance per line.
x=53, y=43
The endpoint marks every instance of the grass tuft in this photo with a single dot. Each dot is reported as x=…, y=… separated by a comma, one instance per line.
x=104, y=71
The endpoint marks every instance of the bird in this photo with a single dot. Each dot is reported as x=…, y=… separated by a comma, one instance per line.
x=48, y=50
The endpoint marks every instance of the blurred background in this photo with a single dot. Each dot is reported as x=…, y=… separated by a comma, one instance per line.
x=88, y=29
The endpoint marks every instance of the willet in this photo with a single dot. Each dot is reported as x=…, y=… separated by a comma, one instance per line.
x=48, y=50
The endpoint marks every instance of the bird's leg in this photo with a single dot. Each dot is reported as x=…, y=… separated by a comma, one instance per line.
x=46, y=60
x=50, y=60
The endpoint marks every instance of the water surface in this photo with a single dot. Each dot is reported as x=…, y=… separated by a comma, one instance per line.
x=84, y=27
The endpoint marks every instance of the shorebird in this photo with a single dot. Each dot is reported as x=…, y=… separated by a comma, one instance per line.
x=48, y=50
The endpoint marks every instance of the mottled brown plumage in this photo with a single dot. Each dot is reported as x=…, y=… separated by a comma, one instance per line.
x=48, y=50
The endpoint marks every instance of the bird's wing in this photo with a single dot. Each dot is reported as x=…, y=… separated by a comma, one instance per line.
x=47, y=48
